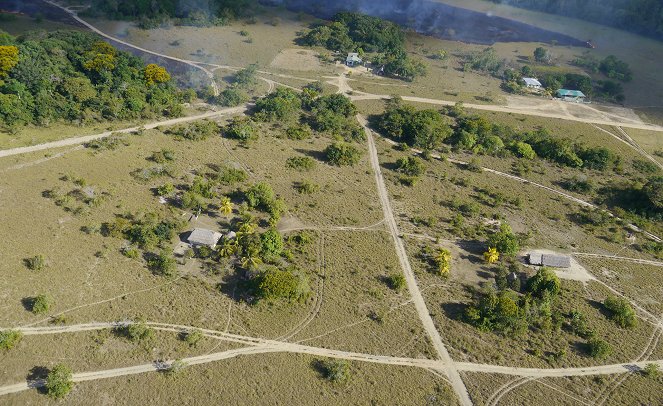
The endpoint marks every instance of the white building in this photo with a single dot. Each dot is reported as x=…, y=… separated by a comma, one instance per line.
x=532, y=83
x=353, y=59
x=201, y=236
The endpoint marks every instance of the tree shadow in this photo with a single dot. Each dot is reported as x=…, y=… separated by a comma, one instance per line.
x=28, y=303
x=319, y=155
x=236, y=286
x=454, y=311
x=36, y=378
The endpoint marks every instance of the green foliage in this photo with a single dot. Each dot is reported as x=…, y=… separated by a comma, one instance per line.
x=578, y=325
x=542, y=55
x=307, y=187
x=274, y=284
x=580, y=184
x=497, y=312
x=485, y=61
x=41, y=304
x=645, y=167
x=95, y=82
x=653, y=189
x=353, y=32
x=544, y=283
x=425, y=129
x=163, y=156
x=196, y=131
x=260, y=195
x=246, y=77
x=145, y=231
x=523, y=150
x=136, y=331
x=504, y=241
x=299, y=132
x=175, y=368
x=9, y=339
x=342, y=154
x=8, y=59
x=111, y=142
x=230, y=176
x=192, y=337
x=163, y=264
x=396, y=282
x=36, y=263
x=282, y=105
x=242, y=129
x=598, y=349
x=271, y=243
x=410, y=166
x=652, y=370
x=621, y=312
x=230, y=97
x=300, y=163
x=615, y=68
x=166, y=189
x=336, y=371
x=59, y=381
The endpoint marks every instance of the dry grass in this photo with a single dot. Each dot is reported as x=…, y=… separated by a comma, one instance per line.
x=271, y=379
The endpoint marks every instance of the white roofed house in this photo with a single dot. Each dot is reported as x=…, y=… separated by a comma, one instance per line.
x=201, y=237
x=353, y=59
x=532, y=83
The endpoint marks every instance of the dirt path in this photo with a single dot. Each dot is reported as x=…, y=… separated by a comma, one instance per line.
x=87, y=138
x=418, y=300
x=616, y=258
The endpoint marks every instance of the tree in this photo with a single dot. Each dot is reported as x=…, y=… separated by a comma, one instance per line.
x=504, y=241
x=36, y=263
x=163, y=264
x=246, y=76
x=242, y=129
x=41, y=304
x=621, y=312
x=524, y=150
x=192, y=337
x=654, y=191
x=8, y=59
x=542, y=55
x=336, y=371
x=598, y=348
x=275, y=284
x=442, y=260
x=155, y=74
x=136, y=331
x=544, y=282
x=101, y=57
x=282, y=104
x=410, y=166
x=9, y=339
x=396, y=282
x=271, y=244
x=491, y=256
x=652, y=370
x=342, y=154
x=59, y=381
x=226, y=206
x=175, y=368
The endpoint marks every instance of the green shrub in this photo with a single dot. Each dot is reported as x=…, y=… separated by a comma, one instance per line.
x=652, y=371
x=230, y=176
x=242, y=129
x=621, y=312
x=41, y=304
x=9, y=339
x=410, y=166
x=299, y=132
x=163, y=156
x=136, y=331
x=341, y=154
x=230, y=97
x=336, y=371
x=396, y=281
x=59, y=381
x=36, y=263
x=300, y=163
x=598, y=349
x=274, y=284
x=163, y=264
x=196, y=131
x=504, y=241
x=193, y=337
x=307, y=187
x=166, y=189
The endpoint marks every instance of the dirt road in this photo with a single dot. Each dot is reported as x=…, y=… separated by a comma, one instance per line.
x=418, y=300
x=81, y=140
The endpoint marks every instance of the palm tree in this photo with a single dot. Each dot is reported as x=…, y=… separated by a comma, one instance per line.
x=250, y=261
x=226, y=206
x=443, y=261
x=228, y=247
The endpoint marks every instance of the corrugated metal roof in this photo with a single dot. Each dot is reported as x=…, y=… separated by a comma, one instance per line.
x=570, y=93
x=556, y=261
x=201, y=236
x=535, y=258
x=532, y=82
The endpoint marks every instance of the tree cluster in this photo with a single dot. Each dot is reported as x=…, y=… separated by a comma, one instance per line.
x=425, y=129
x=354, y=32
x=72, y=76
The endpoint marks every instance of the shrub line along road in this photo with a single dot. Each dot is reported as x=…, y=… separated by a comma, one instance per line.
x=258, y=345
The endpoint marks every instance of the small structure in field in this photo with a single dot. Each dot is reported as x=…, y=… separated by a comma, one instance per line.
x=551, y=260
x=201, y=237
x=353, y=59
x=532, y=83
x=571, y=95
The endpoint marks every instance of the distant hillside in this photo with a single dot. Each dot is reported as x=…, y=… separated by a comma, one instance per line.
x=639, y=16
x=75, y=77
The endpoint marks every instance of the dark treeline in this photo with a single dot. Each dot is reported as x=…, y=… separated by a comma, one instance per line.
x=151, y=13
x=640, y=16
x=75, y=77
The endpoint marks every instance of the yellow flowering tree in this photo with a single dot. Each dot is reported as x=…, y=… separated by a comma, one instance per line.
x=8, y=59
x=226, y=206
x=443, y=261
x=491, y=256
x=156, y=74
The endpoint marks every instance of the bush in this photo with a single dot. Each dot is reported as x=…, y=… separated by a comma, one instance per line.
x=175, y=368
x=36, y=263
x=163, y=264
x=280, y=105
x=341, y=154
x=336, y=371
x=166, y=189
x=136, y=331
x=410, y=166
x=621, y=312
x=242, y=129
x=259, y=196
x=504, y=241
x=163, y=156
x=580, y=184
x=652, y=371
x=193, y=337
x=307, y=187
x=230, y=176
x=299, y=132
x=598, y=349
x=230, y=97
x=274, y=284
x=247, y=76
x=300, y=163
x=196, y=131
x=544, y=283
x=9, y=339
x=396, y=281
x=524, y=150
x=41, y=304
x=59, y=381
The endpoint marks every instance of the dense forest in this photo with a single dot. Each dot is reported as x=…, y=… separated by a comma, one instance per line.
x=74, y=77
x=640, y=16
x=151, y=13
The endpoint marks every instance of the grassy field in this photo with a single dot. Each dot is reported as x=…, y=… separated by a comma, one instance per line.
x=274, y=379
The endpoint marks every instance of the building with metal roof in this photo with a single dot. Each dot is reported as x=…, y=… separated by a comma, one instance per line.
x=551, y=260
x=532, y=83
x=200, y=237
x=571, y=95
x=353, y=59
